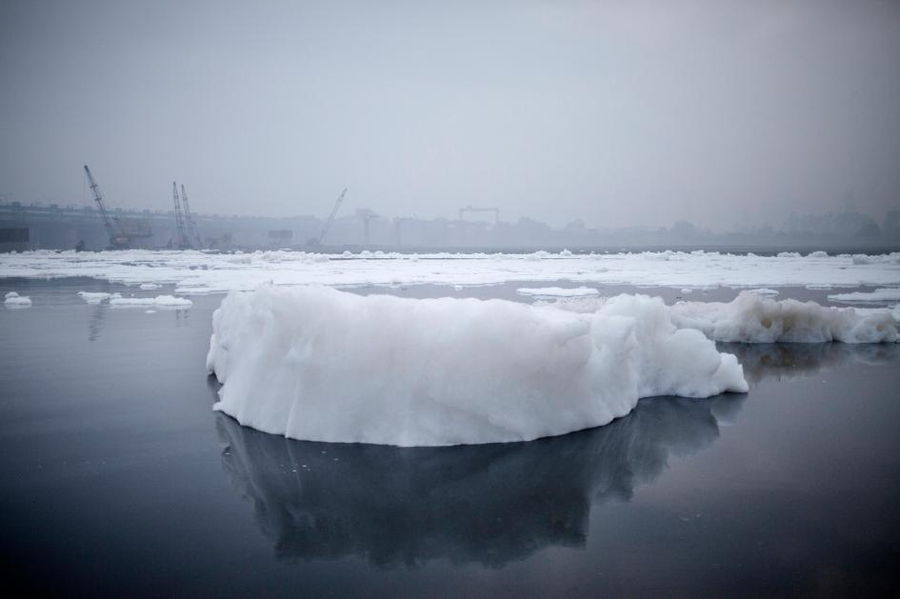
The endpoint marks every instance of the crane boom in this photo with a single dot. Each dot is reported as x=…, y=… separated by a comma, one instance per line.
x=189, y=217
x=330, y=220
x=116, y=237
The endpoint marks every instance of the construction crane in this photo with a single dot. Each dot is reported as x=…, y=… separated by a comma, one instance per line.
x=469, y=208
x=118, y=239
x=317, y=241
x=181, y=240
x=189, y=218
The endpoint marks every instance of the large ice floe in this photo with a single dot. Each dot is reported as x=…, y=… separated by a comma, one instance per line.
x=319, y=364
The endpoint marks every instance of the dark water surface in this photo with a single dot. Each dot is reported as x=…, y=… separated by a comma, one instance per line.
x=118, y=479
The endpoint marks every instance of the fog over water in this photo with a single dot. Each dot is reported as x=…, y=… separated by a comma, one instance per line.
x=620, y=113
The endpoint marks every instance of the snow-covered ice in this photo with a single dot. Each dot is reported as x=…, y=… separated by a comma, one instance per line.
x=197, y=272
x=752, y=318
x=160, y=301
x=755, y=318
x=320, y=364
x=149, y=286
x=14, y=300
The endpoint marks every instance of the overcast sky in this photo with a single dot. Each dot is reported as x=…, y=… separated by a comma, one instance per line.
x=621, y=113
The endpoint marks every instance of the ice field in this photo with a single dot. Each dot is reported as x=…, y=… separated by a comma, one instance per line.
x=197, y=272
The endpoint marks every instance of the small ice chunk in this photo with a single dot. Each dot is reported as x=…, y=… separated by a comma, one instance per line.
x=97, y=297
x=149, y=286
x=14, y=300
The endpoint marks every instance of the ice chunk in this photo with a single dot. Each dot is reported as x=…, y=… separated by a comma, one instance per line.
x=14, y=300
x=319, y=364
x=149, y=286
x=97, y=297
x=752, y=318
x=879, y=295
x=160, y=301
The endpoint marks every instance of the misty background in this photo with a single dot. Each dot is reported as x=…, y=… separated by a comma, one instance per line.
x=620, y=114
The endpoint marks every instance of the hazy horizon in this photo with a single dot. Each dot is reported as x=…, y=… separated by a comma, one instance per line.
x=618, y=113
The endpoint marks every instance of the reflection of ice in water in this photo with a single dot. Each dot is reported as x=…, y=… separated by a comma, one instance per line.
x=785, y=361
x=95, y=324
x=484, y=503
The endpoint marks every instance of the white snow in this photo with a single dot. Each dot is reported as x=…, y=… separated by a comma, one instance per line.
x=160, y=301
x=557, y=291
x=197, y=272
x=752, y=318
x=149, y=286
x=764, y=291
x=320, y=364
x=97, y=297
x=879, y=295
x=14, y=300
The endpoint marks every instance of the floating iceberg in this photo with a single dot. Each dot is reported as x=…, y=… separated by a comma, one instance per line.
x=319, y=364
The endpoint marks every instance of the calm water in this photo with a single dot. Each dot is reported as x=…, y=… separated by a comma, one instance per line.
x=119, y=479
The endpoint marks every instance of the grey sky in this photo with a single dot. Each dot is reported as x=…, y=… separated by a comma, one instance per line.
x=621, y=113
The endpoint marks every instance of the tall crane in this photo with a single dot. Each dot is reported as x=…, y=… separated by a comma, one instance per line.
x=181, y=240
x=189, y=217
x=317, y=241
x=117, y=237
